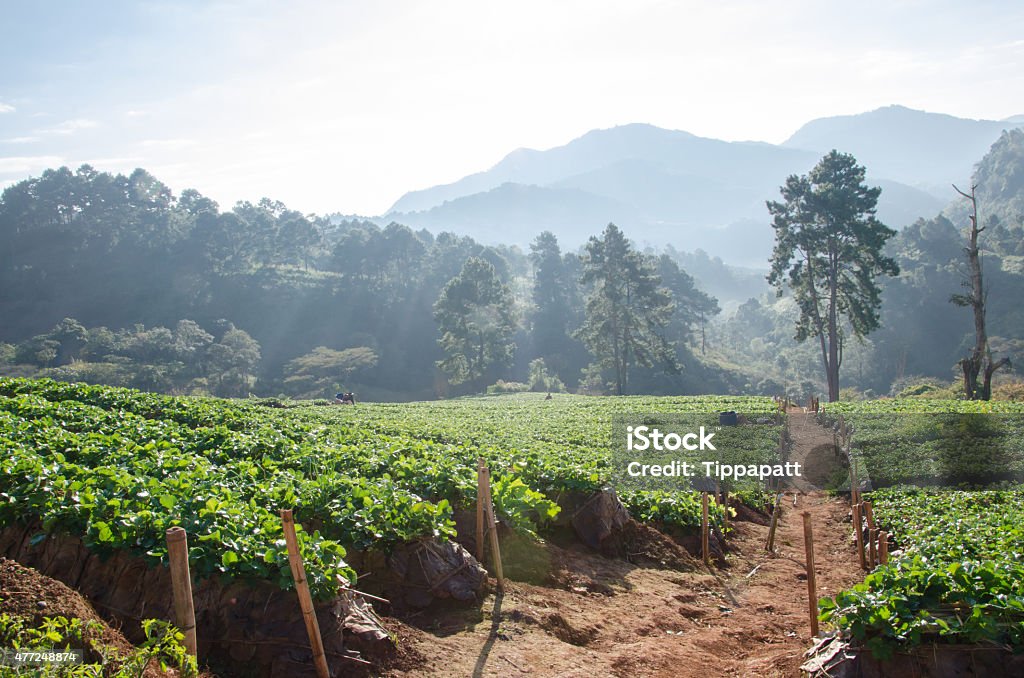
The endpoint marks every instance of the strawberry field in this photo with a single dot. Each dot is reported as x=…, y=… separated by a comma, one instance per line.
x=955, y=516
x=119, y=467
x=959, y=577
x=934, y=442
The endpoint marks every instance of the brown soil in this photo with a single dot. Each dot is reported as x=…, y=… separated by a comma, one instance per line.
x=29, y=594
x=607, y=616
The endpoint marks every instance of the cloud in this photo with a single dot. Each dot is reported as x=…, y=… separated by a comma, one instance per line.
x=70, y=126
x=115, y=163
x=168, y=144
x=6, y=108
x=20, y=140
x=25, y=164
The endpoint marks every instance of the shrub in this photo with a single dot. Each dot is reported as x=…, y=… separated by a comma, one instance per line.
x=542, y=380
x=1010, y=390
x=502, y=386
x=923, y=387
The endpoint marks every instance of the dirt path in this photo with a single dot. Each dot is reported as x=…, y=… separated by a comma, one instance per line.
x=814, y=447
x=607, y=617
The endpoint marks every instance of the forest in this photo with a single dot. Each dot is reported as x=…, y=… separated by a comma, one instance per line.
x=114, y=279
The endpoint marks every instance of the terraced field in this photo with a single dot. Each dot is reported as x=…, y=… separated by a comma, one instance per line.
x=119, y=467
x=951, y=503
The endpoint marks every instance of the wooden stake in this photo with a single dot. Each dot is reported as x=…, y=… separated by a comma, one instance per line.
x=770, y=546
x=704, y=547
x=872, y=553
x=859, y=534
x=492, y=526
x=869, y=515
x=853, y=485
x=181, y=586
x=480, y=509
x=883, y=547
x=725, y=509
x=305, y=599
x=812, y=592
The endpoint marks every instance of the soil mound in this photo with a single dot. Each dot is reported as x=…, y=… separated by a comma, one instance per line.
x=26, y=593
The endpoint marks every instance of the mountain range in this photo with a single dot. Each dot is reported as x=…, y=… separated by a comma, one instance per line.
x=672, y=187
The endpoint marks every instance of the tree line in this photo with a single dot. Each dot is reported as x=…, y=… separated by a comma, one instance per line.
x=98, y=271
x=113, y=278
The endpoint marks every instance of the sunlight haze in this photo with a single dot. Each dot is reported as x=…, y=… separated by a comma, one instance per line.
x=346, y=106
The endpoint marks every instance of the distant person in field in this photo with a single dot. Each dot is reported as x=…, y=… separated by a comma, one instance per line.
x=345, y=398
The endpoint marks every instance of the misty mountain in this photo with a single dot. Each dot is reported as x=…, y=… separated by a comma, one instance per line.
x=925, y=150
x=672, y=187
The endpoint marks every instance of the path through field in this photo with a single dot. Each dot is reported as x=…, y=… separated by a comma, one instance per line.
x=606, y=617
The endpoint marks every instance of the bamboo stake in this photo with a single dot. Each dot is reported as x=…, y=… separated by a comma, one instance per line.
x=859, y=534
x=492, y=526
x=770, y=546
x=704, y=547
x=181, y=586
x=480, y=509
x=883, y=547
x=305, y=599
x=812, y=593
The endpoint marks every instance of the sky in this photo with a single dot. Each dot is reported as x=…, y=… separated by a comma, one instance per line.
x=344, y=106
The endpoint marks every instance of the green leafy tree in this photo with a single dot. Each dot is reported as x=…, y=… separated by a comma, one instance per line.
x=476, y=319
x=540, y=379
x=627, y=309
x=552, y=312
x=322, y=368
x=232, y=363
x=828, y=251
x=693, y=307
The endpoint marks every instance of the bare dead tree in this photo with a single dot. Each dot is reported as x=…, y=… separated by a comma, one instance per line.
x=979, y=362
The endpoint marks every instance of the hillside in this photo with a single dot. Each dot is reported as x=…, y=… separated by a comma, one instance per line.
x=925, y=150
x=670, y=186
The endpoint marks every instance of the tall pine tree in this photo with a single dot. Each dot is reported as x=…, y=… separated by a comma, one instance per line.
x=476, y=319
x=828, y=250
x=553, y=312
x=627, y=308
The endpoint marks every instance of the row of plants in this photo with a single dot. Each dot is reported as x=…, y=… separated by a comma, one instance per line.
x=957, y=576
x=24, y=636
x=567, y=444
x=119, y=467
x=924, y=406
x=968, y=444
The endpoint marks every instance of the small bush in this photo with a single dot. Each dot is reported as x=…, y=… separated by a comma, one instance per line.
x=1011, y=390
x=923, y=387
x=502, y=386
x=542, y=380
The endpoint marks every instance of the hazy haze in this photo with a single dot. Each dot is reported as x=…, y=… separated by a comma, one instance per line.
x=346, y=106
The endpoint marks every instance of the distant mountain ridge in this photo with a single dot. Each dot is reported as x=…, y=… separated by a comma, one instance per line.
x=925, y=150
x=669, y=186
